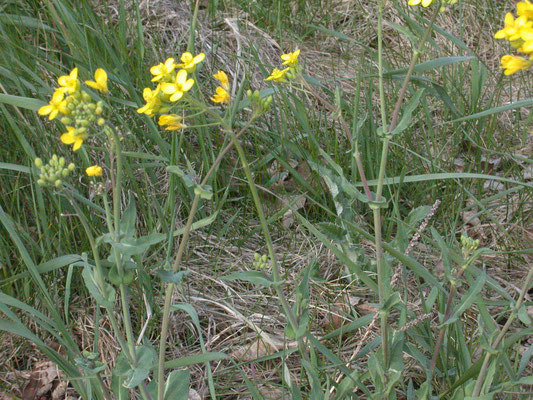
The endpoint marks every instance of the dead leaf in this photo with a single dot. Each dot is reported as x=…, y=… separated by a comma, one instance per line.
x=252, y=351
x=193, y=395
x=41, y=380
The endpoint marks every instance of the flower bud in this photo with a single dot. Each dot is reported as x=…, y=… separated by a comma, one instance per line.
x=71, y=167
x=41, y=182
x=100, y=121
x=38, y=162
x=57, y=183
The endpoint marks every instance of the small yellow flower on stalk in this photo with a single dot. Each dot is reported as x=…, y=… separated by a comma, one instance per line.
x=100, y=81
x=513, y=27
x=177, y=89
x=525, y=8
x=56, y=105
x=223, y=79
x=74, y=136
x=94, y=170
x=189, y=61
x=291, y=59
x=221, y=96
x=162, y=70
x=277, y=75
x=425, y=3
x=512, y=64
x=171, y=122
x=152, y=101
x=69, y=83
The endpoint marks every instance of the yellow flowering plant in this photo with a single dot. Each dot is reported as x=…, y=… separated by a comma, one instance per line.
x=519, y=33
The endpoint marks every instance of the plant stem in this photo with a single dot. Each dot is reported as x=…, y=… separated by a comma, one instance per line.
x=499, y=338
x=117, y=195
x=177, y=261
x=387, y=130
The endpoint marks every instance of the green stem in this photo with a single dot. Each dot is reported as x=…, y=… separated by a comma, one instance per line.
x=177, y=261
x=117, y=195
x=499, y=338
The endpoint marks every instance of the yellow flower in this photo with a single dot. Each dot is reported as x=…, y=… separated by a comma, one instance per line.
x=513, y=27
x=223, y=79
x=172, y=122
x=100, y=81
x=152, y=101
x=189, y=61
x=221, y=96
x=513, y=64
x=94, y=170
x=525, y=8
x=163, y=69
x=57, y=104
x=69, y=83
x=277, y=75
x=71, y=137
x=291, y=59
x=177, y=89
x=425, y=3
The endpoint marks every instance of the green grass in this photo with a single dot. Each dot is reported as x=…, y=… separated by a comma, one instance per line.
x=43, y=40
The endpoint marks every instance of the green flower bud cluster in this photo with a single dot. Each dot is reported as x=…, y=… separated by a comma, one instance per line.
x=293, y=73
x=83, y=112
x=469, y=245
x=259, y=105
x=51, y=174
x=260, y=261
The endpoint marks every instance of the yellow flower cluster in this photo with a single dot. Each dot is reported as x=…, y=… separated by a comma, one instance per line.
x=427, y=3
x=288, y=73
x=519, y=32
x=76, y=106
x=172, y=84
x=222, y=92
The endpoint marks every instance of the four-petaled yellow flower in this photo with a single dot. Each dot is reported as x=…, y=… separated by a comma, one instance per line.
x=512, y=64
x=189, y=61
x=525, y=8
x=57, y=104
x=94, y=170
x=100, y=81
x=69, y=83
x=221, y=96
x=171, y=122
x=424, y=3
x=163, y=69
x=277, y=75
x=223, y=79
x=291, y=59
x=177, y=89
x=71, y=137
x=513, y=27
x=152, y=101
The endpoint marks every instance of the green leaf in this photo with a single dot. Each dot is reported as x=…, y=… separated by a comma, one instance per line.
x=255, y=277
x=129, y=218
x=333, y=232
x=187, y=179
x=205, y=192
x=171, y=277
x=134, y=376
x=496, y=110
x=131, y=246
x=89, y=278
x=523, y=315
x=22, y=102
x=432, y=64
x=195, y=359
x=177, y=385
x=407, y=116
x=468, y=299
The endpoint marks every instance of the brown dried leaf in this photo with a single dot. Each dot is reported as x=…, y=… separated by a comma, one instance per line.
x=252, y=351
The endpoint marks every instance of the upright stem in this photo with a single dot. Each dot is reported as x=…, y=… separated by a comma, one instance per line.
x=382, y=292
x=117, y=195
x=177, y=261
